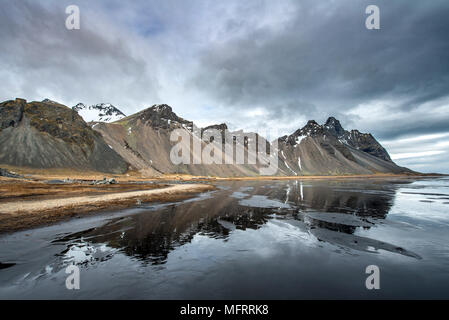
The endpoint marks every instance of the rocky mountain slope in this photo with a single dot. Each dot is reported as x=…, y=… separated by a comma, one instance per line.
x=143, y=140
x=102, y=112
x=50, y=135
x=329, y=149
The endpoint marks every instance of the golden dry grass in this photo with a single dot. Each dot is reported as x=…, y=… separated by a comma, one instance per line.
x=43, y=209
x=135, y=175
x=11, y=189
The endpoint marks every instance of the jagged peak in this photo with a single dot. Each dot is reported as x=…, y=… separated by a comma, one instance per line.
x=332, y=121
x=79, y=106
x=356, y=132
x=312, y=123
x=49, y=101
x=334, y=127
x=161, y=108
x=162, y=116
x=222, y=126
x=159, y=111
x=311, y=128
x=103, y=105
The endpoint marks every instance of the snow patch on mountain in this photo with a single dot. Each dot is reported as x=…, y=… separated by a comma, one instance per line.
x=286, y=164
x=299, y=139
x=102, y=112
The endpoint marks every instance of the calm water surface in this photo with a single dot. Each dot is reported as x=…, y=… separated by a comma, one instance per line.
x=247, y=240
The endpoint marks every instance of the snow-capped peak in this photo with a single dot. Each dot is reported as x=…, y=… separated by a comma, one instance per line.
x=102, y=112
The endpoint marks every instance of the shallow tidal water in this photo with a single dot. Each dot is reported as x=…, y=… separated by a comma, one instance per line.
x=247, y=240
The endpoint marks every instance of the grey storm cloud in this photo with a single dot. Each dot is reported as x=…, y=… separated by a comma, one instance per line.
x=326, y=57
x=252, y=64
x=40, y=56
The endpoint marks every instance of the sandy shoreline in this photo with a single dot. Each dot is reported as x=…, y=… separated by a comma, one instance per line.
x=21, y=214
x=33, y=201
x=41, y=205
x=336, y=177
x=134, y=176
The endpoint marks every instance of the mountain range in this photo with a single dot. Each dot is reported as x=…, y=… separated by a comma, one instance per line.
x=101, y=138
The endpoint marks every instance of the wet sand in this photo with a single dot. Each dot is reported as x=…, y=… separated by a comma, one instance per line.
x=33, y=201
x=246, y=240
x=22, y=211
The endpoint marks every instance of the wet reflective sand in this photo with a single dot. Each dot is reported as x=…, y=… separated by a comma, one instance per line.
x=247, y=240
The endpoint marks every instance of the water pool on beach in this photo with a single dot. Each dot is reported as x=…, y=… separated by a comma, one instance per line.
x=247, y=240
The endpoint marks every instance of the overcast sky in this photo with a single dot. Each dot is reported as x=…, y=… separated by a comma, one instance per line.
x=252, y=64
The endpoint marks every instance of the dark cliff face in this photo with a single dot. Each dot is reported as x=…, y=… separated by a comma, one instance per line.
x=360, y=141
x=367, y=143
x=47, y=134
x=11, y=113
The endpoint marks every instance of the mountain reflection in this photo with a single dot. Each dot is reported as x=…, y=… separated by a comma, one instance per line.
x=152, y=234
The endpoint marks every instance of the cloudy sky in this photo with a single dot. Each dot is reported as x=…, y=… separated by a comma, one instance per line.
x=252, y=64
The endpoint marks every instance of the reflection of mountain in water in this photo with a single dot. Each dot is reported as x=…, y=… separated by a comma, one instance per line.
x=341, y=207
x=150, y=236
x=351, y=198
